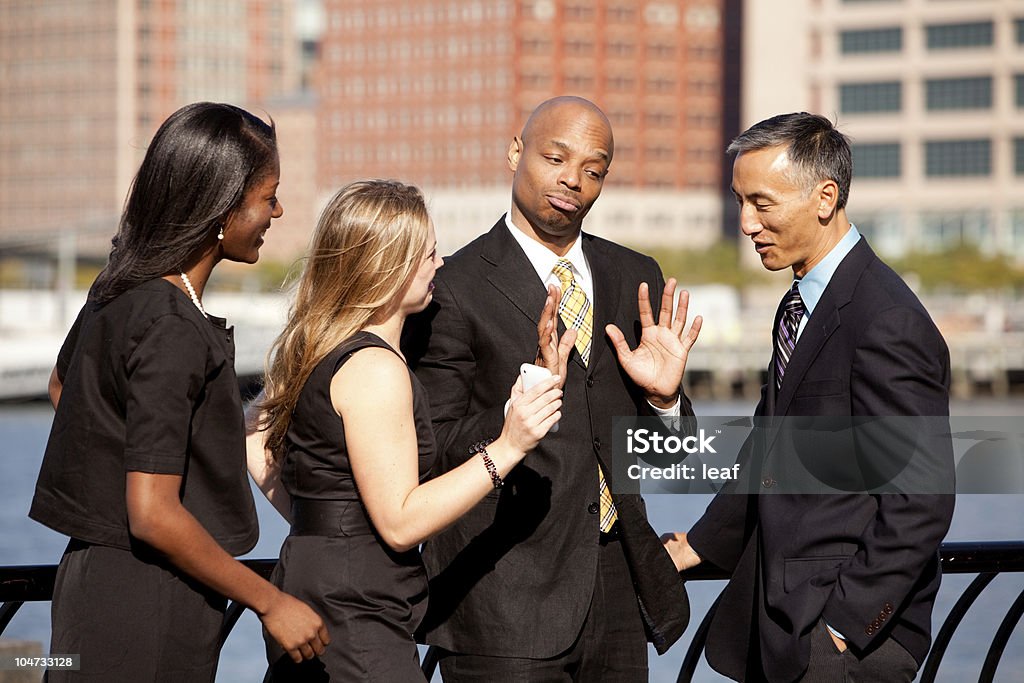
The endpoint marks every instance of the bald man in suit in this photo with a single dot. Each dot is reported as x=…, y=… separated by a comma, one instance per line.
x=544, y=580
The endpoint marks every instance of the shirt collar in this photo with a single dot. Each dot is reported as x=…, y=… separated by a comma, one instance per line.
x=813, y=284
x=543, y=259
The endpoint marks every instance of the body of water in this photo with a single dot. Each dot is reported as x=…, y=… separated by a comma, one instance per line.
x=24, y=429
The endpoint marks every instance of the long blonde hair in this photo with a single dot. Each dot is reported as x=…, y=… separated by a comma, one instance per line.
x=365, y=250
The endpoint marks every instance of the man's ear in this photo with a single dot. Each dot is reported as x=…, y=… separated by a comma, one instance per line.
x=515, y=149
x=828, y=199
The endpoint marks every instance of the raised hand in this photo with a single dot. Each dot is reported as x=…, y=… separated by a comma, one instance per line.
x=658, y=362
x=552, y=352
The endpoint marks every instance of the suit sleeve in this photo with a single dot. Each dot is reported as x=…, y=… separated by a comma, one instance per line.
x=900, y=368
x=723, y=532
x=447, y=367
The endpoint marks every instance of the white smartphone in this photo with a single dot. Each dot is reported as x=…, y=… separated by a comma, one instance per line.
x=532, y=374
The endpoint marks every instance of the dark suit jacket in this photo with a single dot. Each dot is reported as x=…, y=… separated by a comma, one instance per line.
x=867, y=564
x=514, y=577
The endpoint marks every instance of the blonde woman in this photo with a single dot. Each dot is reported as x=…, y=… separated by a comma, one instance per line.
x=348, y=430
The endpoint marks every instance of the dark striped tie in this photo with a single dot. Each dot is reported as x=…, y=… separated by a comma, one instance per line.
x=785, y=336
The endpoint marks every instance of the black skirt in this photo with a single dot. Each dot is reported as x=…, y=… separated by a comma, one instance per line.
x=132, y=617
x=371, y=598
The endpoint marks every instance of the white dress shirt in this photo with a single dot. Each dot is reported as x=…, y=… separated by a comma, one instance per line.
x=543, y=261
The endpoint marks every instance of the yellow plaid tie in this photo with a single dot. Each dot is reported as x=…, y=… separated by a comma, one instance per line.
x=575, y=311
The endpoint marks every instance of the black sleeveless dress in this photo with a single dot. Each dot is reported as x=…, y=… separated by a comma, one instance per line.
x=371, y=597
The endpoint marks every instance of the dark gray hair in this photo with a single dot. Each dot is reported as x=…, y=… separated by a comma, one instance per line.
x=815, y=148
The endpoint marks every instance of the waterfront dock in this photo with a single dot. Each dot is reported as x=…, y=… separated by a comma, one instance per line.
x=985, y=338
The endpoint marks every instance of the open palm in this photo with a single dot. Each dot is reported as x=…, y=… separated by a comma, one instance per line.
x=656, y=365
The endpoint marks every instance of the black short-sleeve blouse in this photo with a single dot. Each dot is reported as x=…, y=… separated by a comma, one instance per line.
x=148, y=385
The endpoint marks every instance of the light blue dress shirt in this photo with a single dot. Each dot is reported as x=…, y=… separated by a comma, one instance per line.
x=812, y=285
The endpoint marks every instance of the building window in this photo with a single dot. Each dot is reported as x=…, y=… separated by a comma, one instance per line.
x=1020, y=31
x=876, y=160
x=579, y=12
x=659, y=153
x=579, y=82
x=958, y=93
x=620, y=48
x=536, y=80
x=871, y=40
x=619, y=82
x=1016, y=231
x=579, y=48
x=953, y=36
x=698, y=119
x=861, y=98
x=621, y=13
x=945, y=158
x=949, y=229
x=625, y=152
x=661, y=51
x=703, y=52
x=697, y=153
x=659, y=119
x=1018, y=156
x=1019, y=78
x=702, y=85
x=660, y=84
x=883, y=230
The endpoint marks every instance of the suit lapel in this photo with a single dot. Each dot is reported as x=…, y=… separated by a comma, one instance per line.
x=607, y=289
x=823, y=322
x=512, y=274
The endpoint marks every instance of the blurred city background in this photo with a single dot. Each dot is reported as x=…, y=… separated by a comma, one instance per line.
x=432, y=91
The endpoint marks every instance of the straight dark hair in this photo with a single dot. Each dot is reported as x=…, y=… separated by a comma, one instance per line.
x=197, y=170
x=815, y=148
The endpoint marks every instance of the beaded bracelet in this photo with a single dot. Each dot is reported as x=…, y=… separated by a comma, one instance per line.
x=481, y=448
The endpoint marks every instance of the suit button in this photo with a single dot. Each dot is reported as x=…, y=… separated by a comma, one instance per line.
x=888, y=608
x=593, y=508
x=597, y=443
x=767, y=482
x=870, y=631
x=590, y=381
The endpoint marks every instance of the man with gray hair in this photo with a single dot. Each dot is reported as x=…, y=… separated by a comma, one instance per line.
x=825, y=587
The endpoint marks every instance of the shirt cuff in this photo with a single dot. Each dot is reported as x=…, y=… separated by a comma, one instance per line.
x=673, y=413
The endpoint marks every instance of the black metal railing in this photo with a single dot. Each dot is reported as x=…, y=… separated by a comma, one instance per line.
x=32, y=583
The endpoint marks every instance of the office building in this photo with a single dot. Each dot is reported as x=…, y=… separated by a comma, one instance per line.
x=85, y=83
x=433, y=91
x=932, y=93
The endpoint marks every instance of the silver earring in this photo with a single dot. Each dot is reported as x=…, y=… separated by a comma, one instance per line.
x=220, y=235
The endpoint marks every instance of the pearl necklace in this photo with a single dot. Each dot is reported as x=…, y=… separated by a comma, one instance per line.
x=192, y=293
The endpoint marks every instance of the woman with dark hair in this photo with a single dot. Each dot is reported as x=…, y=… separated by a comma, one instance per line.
x=145, y=465
x=348, y=430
